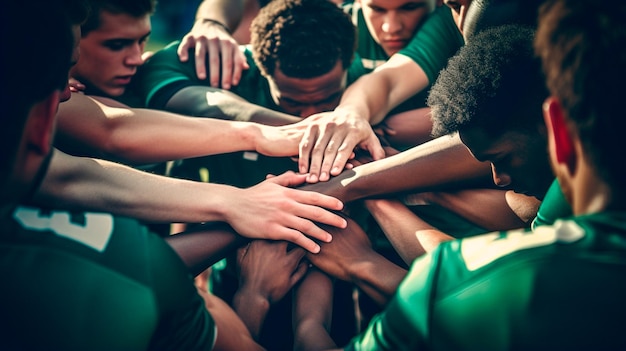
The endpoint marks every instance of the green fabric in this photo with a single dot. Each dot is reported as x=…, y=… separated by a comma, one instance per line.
x=371, y=54
x=553, y=206
x=437, y=40
x=559, y=287
x=164, y=68
x=90, y=281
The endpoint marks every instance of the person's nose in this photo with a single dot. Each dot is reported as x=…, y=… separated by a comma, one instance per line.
x=391, y=23
x=134, y=56
x=500, y=179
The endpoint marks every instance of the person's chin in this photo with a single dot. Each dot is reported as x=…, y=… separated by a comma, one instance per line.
x=116, y=91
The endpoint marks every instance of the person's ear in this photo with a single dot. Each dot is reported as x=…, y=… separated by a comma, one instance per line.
x=558, y=132
x=40, y=132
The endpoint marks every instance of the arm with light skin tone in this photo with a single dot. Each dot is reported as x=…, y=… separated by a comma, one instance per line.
x=312, y=316
x=104, y=128
x=215, y=42
x=206, y=101
x=267, y=271
x=331, y=136
x=273, y=209
x=350, y=257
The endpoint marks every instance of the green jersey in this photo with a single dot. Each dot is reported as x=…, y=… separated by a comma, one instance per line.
x=435, y=42
x=553, y=206
x=90, y=281
x=164, y=70
x=558, y=287
x=370, y=53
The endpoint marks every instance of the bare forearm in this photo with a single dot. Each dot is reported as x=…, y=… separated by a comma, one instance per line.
x=252, y=309
x=443, y=163
x=84, y=183
x=228, y=12
x=408, y=234
x=364, y=96
x=205, y=245
x=312, y=318
x=492, y=209
x=217, y=103
x=378, y=277
x=96, y=128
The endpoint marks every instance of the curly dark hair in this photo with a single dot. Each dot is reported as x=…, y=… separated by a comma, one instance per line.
x=582, y=45
x=135, y=8
x=494, y=83
x=306, y=37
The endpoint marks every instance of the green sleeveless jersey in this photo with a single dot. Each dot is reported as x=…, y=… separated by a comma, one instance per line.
x=90, y=281
x=560, y=287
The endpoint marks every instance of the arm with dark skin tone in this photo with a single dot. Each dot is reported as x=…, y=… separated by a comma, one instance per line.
x=409, y=235
x=204, y=245
x=312, y=316
x=441, y=164
x=206, y=101
x=267, y=271
x=492, y=209
x=350, y=257
x=199, y=248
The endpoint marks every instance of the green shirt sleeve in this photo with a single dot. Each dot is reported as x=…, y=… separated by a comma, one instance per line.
x=553, y=206
x=434, y=43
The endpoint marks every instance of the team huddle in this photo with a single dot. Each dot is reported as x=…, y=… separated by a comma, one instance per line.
x=314, y=175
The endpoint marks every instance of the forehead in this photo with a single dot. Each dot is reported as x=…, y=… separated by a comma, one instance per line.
x=310, y=89
x=453, y=3
x=394, y=4
x=122, y=25
x=485, y=147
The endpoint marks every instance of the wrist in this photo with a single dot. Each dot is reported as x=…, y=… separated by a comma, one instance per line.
x=248, y=299
x=214, y=22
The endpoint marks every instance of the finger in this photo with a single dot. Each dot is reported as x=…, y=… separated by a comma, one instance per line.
x=319, y=150
x=298, y=273
x=287, y=179
x=313, y=206
x=335, y=160
x=240, y=64
x=200, y=56
x=328, y=155
x=296, y=254
x=227, y=65
x=308, y=230
x=299, y=239
x=215, y=61
x=183, y=48
x=375, y=148
x=305, y=148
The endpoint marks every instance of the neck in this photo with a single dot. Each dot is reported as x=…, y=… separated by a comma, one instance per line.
x=592, y=194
